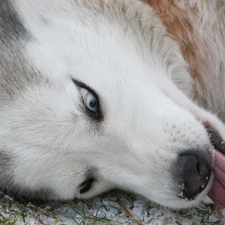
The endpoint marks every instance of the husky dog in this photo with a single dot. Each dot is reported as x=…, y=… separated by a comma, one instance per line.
x=105, y=94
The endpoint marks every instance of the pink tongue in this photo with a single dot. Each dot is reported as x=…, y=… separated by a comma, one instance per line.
x=217, y=193
x=219, y=160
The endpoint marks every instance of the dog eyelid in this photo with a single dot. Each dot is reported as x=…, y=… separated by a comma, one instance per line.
x=90, y=100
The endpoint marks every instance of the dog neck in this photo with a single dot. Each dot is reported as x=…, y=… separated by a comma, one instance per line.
x=194, y=25
x=179, y=24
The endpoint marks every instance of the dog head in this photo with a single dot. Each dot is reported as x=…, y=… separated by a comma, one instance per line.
x=96, y=96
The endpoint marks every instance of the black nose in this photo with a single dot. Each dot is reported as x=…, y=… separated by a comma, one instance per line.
x=193, y=170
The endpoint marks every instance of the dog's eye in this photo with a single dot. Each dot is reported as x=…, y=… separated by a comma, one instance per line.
x=86, y=185
x=90, y=100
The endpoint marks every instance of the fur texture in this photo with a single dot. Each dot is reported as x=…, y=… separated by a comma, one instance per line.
x=111, y=94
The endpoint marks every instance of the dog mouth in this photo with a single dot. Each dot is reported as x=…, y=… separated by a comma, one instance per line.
x=217, y=143
x=195, y=183
x=215, y=138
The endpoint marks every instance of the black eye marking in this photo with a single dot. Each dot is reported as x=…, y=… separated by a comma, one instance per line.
x=86, y=185
x=91, y=101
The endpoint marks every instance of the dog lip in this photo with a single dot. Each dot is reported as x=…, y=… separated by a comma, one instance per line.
x=215, y=138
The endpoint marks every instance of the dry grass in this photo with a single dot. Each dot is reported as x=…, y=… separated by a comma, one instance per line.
x=111, y=209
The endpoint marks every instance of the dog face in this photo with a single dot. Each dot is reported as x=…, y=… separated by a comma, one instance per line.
x=99, y=105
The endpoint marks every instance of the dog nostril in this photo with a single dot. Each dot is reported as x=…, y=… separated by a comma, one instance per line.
x=193, y=170
x=198, y=167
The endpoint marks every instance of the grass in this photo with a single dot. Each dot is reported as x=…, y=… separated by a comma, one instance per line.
x=114, y=208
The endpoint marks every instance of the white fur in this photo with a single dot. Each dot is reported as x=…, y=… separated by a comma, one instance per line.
x=145, y=92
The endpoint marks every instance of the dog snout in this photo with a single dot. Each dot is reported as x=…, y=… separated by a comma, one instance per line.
x=194, y=170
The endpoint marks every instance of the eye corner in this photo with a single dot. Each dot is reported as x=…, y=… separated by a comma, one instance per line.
x=77, y=83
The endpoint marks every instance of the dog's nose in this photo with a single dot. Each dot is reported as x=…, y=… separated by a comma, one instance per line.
x=194, y=172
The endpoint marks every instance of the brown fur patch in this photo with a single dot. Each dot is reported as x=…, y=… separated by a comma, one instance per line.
x=180, y=27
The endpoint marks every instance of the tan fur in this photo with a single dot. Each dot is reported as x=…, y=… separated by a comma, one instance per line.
x=180, y=27
x=191, y=24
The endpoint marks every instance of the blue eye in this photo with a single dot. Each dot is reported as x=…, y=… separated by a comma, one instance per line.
x=91, y=102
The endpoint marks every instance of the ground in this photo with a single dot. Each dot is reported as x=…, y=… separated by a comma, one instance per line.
x=113, y=208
